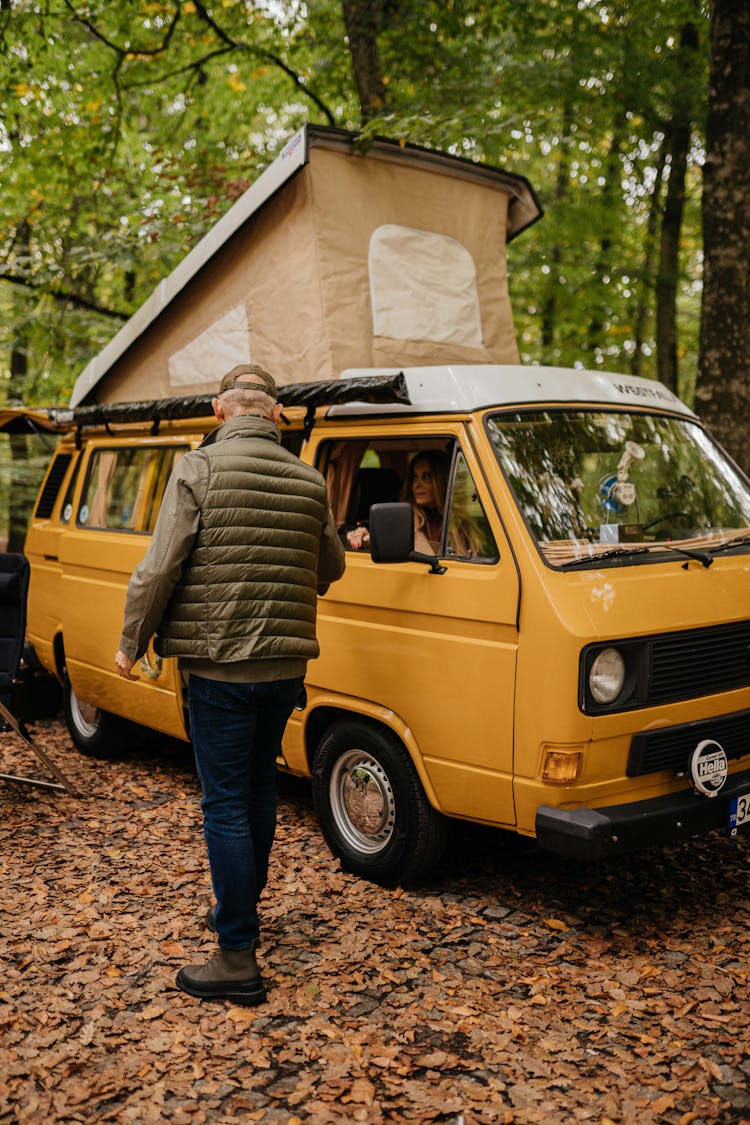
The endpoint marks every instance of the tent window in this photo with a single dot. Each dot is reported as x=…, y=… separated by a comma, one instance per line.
x=423, y=287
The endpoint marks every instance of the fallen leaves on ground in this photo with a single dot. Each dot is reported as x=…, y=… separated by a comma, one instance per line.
x=511, y=987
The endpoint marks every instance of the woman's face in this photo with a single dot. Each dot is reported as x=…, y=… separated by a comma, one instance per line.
x=423, y=485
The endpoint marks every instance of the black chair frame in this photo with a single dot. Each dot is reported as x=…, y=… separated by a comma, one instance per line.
x=14, y=588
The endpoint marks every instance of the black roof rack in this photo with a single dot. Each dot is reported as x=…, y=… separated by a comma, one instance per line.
x=368, y=388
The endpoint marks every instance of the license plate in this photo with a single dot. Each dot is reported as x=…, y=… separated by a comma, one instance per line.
x=739, y=812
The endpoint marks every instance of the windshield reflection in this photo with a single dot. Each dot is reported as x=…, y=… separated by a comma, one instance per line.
x=587, y=482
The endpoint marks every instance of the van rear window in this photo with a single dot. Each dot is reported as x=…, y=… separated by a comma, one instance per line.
x=52, y=486
x=124, y=487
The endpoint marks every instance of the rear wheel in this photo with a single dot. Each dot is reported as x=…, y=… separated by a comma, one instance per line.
x=96, y=733
x=371, y=805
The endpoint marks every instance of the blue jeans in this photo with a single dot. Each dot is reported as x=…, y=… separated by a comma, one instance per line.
x=236, y=730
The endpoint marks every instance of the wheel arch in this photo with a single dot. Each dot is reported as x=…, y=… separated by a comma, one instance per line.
x=324, y=710
x=58, y=652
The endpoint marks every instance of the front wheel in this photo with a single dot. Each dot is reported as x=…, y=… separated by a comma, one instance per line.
x=96, y=733
x=371, y=805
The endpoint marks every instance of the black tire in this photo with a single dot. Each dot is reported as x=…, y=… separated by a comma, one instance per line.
x=372, y=808
x=94, y=732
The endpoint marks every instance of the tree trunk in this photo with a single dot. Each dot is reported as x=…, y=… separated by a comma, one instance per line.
x=363, y=19
x=724, y=367
x=18, y=511
x=679, y=134
x=646, y=286
x=550, y=300
x=669, y=259
x=17, y=500
x=610, y=199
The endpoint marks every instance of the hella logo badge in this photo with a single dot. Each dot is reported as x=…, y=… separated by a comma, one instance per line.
x=708, y=767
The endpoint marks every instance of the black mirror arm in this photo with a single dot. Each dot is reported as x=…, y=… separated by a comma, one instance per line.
x=435, y=567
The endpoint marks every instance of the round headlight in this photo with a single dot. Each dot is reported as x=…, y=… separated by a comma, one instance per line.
x=607, y=675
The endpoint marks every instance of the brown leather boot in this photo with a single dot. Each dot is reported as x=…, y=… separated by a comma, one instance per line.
x=231, y=974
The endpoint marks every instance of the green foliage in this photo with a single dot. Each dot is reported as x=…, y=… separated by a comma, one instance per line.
x=127, y=130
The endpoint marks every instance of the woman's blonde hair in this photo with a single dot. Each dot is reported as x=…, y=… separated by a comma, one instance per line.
x=440, y=466
x=464, y=538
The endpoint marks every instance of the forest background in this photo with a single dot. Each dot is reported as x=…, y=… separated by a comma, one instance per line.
x=127, y=130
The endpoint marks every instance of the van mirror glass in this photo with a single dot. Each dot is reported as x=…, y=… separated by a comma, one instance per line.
x=391, y=533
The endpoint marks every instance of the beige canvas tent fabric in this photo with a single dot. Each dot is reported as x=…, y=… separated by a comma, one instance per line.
x=384, y=259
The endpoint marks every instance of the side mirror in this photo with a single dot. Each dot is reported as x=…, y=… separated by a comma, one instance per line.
x=392, y=537
x=391, y=533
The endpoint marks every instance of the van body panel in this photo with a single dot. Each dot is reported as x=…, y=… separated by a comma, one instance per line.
x=42, y=548
x=403, y=660
x=431, y=648
x=96, y=570
x=298, y=746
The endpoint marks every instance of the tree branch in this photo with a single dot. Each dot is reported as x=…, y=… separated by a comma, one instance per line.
x=230, y=45
x=125, y=50
x=63, y=295
x=268, y=56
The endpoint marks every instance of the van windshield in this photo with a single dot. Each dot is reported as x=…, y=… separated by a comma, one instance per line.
x=605, y=485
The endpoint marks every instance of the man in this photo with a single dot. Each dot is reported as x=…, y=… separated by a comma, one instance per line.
x=243, y=544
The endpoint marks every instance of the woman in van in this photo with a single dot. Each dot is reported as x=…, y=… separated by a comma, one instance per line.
x=425, y=489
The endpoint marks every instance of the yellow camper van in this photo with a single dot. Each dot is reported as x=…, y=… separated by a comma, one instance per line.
x=572, y=664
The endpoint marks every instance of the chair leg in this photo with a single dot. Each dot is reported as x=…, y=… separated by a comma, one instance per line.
x=63, y=783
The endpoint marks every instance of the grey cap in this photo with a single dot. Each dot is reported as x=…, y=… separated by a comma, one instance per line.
x=238, y=377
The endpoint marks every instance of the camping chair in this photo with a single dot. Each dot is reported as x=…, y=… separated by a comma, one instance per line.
x=14, y=588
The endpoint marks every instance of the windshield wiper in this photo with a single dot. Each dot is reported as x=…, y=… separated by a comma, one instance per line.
x=621, y=552
x=689, y=552
x=615, y=553
x=730, y=543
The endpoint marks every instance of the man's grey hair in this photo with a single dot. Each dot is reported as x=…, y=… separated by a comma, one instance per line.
x=239, y=400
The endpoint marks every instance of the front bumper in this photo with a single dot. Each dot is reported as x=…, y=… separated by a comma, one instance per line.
x=595, y=834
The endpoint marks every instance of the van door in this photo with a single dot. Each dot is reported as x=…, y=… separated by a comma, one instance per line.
x=41, y=545
x=432, y=654
x=107, y=536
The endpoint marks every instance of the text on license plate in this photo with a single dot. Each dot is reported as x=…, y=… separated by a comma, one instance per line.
x=739, y=810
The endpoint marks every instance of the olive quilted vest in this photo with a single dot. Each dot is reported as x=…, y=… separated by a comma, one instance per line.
x=249, y=588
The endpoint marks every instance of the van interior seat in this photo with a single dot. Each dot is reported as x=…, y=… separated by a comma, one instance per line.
x=371, y=486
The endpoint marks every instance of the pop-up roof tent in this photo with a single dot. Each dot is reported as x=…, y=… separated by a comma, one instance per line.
x=334, y=258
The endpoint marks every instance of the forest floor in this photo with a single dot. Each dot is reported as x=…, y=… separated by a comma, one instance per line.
x=511, y=986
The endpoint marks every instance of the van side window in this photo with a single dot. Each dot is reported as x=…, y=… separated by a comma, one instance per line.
x=49, y=493
x=66, y=511
x=360, y=473
x=124, y=487
x=469, y=533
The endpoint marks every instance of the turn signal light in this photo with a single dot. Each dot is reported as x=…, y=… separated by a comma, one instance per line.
x=561, y=767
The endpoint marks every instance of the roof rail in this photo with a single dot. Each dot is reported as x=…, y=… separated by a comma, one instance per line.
x=372, y=388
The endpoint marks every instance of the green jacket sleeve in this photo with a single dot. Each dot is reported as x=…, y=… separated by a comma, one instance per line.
x=332, y=558
x=156, y=576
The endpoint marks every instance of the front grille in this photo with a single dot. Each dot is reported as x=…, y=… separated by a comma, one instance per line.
x=699, y=662
x=671, y=748
x=667, y=667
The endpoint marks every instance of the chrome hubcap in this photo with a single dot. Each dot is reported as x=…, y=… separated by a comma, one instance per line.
x=362, y=801
x=85, y=716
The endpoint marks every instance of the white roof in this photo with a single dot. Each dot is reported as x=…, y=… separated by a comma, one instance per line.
x=466, y=388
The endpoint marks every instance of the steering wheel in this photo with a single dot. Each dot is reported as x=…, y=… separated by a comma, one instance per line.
x=666, y=516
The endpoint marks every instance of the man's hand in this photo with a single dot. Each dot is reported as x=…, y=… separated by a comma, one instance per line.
x=123, y=664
